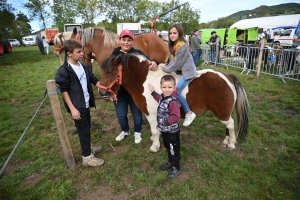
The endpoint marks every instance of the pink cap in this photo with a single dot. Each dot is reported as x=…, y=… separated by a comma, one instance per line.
x=126, y=33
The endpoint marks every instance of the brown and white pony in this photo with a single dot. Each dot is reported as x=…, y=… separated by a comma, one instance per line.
x=102, y=42
x=210, y=90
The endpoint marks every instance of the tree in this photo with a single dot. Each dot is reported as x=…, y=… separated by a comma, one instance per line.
x=145, y=10
x=21, y=27
x=185, y=15
x=64, y=12
x=89, y=10
x=12, y=26
x=7, y=18
x=39, y=9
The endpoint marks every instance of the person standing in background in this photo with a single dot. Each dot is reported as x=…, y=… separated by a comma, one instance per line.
x=195, y=47
x=200, y=40
x=46, y=44
x=39, y=42
x=214, y=43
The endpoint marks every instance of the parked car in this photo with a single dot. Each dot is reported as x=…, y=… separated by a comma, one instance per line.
x=14, y=42
x=28, y=41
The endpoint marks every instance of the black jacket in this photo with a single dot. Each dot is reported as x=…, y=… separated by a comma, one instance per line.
x=68, y=81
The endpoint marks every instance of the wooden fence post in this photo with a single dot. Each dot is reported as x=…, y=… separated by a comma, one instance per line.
x=260, y=56
x=60, y=124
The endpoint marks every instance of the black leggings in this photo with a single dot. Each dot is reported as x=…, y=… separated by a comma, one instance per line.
x=172, y=144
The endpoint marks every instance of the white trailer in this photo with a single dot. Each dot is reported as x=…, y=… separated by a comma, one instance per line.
x=133, y=27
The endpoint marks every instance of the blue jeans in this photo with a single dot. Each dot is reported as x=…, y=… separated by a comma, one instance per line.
x=196, y=55
x=213, y=56
x=122, y=110
x=200, y=53
x=181, y=84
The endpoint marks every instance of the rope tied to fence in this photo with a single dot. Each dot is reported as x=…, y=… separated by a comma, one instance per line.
x=23, y=134
x=51, y=93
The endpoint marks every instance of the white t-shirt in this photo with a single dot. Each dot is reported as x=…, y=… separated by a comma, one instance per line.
x=82, y=78
x=45, y=43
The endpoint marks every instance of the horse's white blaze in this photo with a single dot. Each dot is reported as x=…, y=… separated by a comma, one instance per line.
x=141, y=57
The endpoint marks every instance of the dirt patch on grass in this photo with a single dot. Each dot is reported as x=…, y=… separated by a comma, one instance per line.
x=145, y=166
x=291, y=112
x=32, y=179
x=128, y=179
x=142, y=191
x=118, y=149
x=13, y=165
x=99, y=193
x=183, y=176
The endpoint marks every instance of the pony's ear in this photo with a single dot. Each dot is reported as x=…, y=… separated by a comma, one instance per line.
x=117, y=60
x=75, y=31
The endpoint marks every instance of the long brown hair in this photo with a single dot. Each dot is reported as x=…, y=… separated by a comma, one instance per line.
x=180, y=30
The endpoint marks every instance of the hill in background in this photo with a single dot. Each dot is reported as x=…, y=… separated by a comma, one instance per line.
x=266, y=11
x=262, y=11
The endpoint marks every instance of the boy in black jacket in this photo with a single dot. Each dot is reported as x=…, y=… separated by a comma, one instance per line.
x=74, y=80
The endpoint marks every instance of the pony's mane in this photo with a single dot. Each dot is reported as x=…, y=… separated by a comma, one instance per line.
x=58, y=40
x=108, y=62
x=110, y=39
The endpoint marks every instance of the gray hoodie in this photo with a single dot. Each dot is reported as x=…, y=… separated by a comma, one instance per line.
x=184, y=60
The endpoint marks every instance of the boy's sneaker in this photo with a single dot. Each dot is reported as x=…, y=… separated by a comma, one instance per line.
x=166, y=166
x=91, y=161
x=137, y=137
x=189, y=119
x=122, y=135
x=174, y=172
x=95, y=150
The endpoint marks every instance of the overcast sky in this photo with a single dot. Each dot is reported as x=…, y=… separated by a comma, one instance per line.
x=210, y=9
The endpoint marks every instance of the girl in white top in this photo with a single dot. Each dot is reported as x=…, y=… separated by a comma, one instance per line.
x=46, y=44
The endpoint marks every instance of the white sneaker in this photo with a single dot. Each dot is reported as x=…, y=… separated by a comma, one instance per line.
x=91, y=161
x=137, y=137
x=122, y=135
x=189, y=119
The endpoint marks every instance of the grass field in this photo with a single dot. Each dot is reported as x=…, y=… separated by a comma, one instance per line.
x=266, y=166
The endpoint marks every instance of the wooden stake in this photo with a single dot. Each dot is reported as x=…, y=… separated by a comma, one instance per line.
x=60, y=124
x=260, y=56
x=112, y=146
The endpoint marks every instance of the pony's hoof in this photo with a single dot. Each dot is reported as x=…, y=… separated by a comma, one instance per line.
x=154, y=149
x=231, y=147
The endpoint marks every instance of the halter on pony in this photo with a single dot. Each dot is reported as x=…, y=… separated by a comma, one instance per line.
x=117, y=79
x=61, y=49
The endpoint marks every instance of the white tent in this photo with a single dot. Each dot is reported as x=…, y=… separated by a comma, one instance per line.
x=268, y=22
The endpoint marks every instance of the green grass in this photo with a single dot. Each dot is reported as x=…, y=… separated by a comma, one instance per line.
x=266, y=166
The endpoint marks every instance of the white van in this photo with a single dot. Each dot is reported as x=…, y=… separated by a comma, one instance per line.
x=28, y=41
x=285, y=38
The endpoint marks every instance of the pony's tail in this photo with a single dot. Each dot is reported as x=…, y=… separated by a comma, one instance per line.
x=242, y=110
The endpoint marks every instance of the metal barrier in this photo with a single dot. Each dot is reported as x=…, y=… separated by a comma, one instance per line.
x=275, y=61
